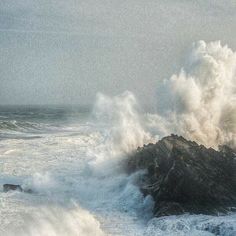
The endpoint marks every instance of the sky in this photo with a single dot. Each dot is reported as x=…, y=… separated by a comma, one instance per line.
x=65, y=52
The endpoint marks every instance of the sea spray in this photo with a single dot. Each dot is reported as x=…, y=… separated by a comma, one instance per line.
x=122, y=115
x=122, y=127
x=56, y=221
x=200, y=102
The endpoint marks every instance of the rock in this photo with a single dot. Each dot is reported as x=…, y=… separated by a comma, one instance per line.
x=183, y=176
x=15, y=187
x=9, y=187
x=28, y=191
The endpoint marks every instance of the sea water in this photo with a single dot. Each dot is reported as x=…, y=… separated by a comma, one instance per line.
x=73, y=158
x=69, y=160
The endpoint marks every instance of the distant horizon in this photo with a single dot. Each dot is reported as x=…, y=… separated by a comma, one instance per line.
x=85, y=107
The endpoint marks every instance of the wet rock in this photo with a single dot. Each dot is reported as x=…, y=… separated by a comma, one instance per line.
x=28, y=190
x=183, y=176
x=14, y=187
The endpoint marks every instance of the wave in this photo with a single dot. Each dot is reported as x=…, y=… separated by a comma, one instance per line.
x=56, y=221
x=120, y=114
x=13, y=125
x=198, y=103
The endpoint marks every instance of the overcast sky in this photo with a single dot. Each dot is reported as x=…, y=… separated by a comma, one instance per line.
x=64, y=52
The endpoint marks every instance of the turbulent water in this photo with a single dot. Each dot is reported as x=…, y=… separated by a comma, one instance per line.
x=71, y=158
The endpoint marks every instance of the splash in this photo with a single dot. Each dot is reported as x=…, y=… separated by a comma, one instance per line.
x=200, y=102
x=40, y=183
x=120, y=115
x=56, y=221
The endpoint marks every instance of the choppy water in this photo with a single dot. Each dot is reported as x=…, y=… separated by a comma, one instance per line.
x=66, y=158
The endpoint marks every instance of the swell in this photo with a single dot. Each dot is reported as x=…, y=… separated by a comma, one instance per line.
x=14, y=125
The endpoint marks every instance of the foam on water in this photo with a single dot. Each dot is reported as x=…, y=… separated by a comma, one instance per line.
x=56, y=221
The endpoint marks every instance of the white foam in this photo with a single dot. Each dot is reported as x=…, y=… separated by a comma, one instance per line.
x=56, y=221
x=200, y=101
x=121, y=115
x=195, y=225
x=40, y=182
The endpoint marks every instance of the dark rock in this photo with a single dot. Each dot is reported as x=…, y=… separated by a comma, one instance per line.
x=9, y=187
x=183, y=176
x=28, y=191
x=15, y=187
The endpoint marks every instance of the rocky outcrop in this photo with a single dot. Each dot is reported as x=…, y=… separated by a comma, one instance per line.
x=14, y=187
x=183, y=176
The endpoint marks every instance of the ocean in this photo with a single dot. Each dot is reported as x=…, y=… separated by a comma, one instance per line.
x=67, y=157
x=177, y=61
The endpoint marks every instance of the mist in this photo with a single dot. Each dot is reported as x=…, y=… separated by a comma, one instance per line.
x=65, y=52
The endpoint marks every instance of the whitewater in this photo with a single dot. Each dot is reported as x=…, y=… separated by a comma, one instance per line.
x=72, y=158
